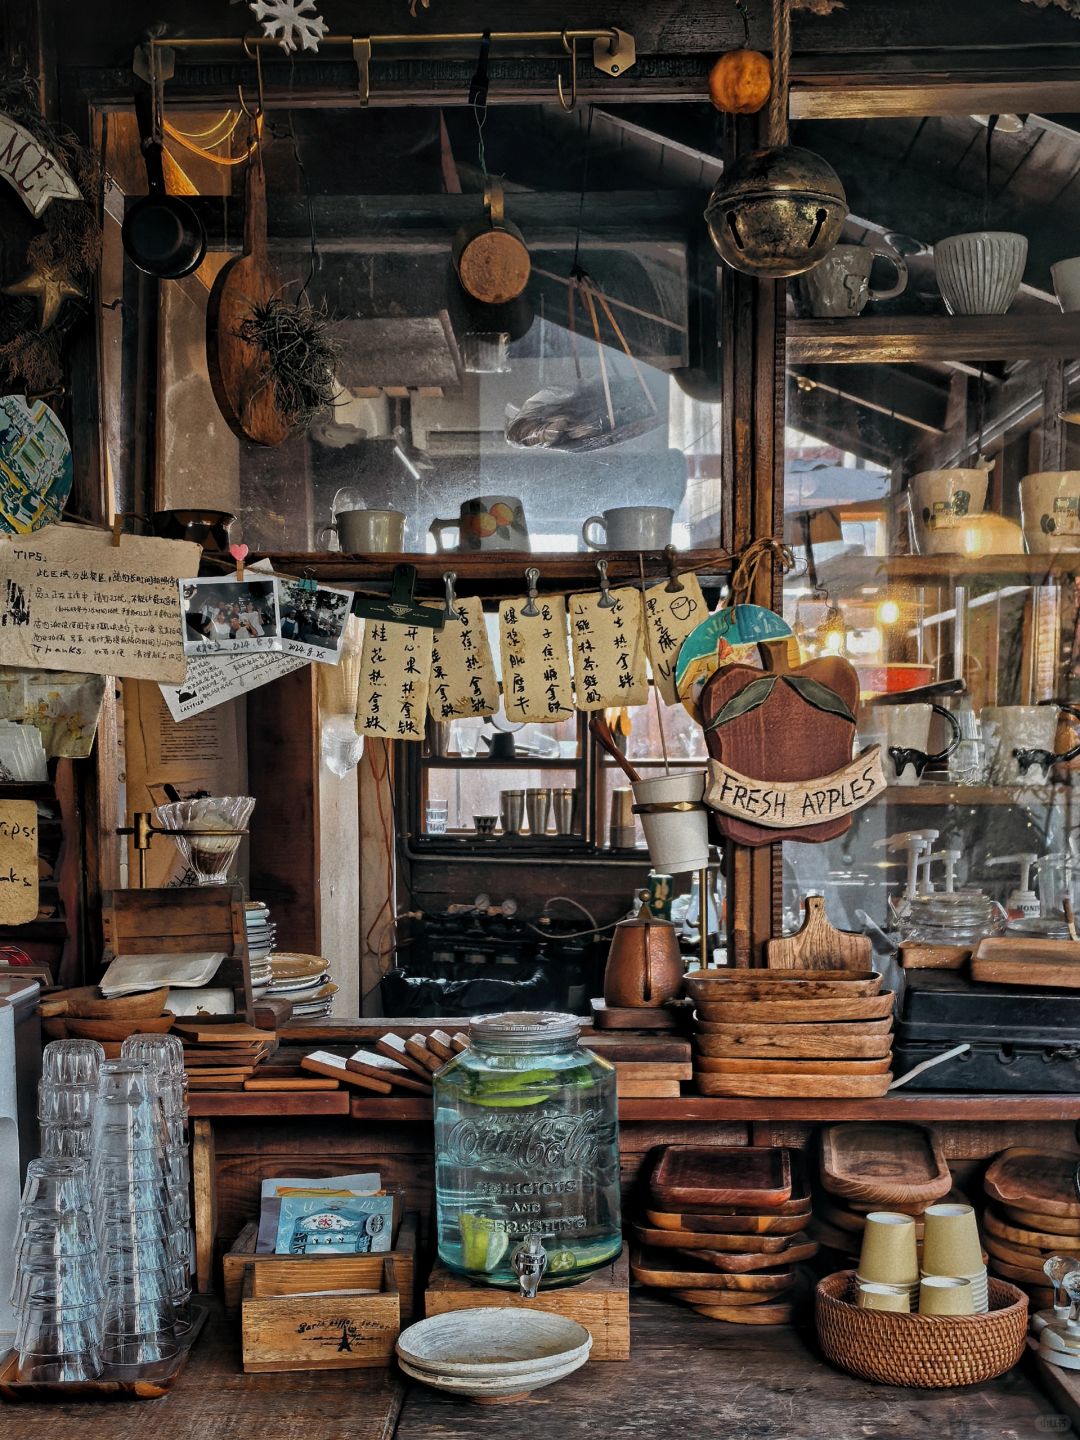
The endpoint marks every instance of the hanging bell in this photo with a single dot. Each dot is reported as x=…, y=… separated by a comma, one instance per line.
x=776, y=212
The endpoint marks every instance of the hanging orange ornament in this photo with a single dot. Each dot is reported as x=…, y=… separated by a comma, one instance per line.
x=740, y=82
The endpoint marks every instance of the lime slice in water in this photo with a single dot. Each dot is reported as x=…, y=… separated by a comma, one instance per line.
x=483, y=1245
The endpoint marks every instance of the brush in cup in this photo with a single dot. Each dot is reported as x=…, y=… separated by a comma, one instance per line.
x=945, y=1295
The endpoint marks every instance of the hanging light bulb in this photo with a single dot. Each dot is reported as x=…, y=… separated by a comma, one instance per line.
x=832, y=631
x=888, y=612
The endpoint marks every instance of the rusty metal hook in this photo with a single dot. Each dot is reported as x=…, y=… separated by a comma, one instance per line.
x=570, y=46
x=253, y=53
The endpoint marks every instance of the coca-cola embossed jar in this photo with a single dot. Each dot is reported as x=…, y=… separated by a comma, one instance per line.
x=527, y=1154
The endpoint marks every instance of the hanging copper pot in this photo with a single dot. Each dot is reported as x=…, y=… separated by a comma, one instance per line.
x=776, y=212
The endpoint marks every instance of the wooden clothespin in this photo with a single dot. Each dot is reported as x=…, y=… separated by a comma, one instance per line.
x=532, y=580
x=238, y=552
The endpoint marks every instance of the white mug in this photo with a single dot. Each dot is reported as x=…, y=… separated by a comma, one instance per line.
x=368, y=532
x=487, y=522
x=1066, y=276
x=1022, y=744
x=1050, y=509
x=941, y=500
x=631, y=527
x=907, y=730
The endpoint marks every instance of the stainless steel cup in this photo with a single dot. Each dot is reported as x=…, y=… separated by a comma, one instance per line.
x=621, y=833
x=512, y=810
x=564, y=804
x=536, y=808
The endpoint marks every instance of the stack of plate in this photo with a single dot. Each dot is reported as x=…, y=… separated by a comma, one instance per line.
x=261, y=931
x=791, y=1032
x=303, y=979
x=724, y=1230
x=1034, y=1213
x=493, y=1353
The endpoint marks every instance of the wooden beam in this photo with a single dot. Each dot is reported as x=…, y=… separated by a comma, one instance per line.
x=898, y=339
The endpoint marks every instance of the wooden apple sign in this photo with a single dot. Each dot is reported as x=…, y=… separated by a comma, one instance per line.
x=781, y=746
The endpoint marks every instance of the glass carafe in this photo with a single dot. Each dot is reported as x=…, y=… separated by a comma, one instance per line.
x=526, y=1155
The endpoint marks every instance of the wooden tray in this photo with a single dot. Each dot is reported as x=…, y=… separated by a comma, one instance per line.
x=742, y=1066
x=884, y=1163
x=708, y=986
x=799, y=1206
x=664, y=1239
x=737, y=1226
x=748, y=1175
x=674, y=1272
x=735, y=1299
x=656, y=1017
x=781, y=1313
x=872, y=1041
x=1040, y=1240
x=736, y=1263
x=1039, y=1180
x=795, y=1085
x=744, y=1010
x=1014, y=960
x=106, y=1387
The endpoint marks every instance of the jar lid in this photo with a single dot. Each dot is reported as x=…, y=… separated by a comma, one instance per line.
x=525, y=1025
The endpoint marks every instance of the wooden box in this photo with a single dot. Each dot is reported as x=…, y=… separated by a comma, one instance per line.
x=284, y=1326
x=601, y=1303
x=325, y=1272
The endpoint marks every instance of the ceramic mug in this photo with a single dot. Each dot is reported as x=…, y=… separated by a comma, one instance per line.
x=1050, y=509
x=368, y=532
x=941, y=500
x=979, y=273
x=839, y=286
x=907, y=729
x=631, y=527
x=1022, y=742
x=1066, y=277
x=487, y=522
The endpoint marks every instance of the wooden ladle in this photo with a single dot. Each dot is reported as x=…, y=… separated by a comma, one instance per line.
x=600, y=730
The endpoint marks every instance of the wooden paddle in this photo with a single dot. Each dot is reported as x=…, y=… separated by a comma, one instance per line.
x=243, y=386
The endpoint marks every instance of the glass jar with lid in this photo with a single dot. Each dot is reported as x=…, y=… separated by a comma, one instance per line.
x=527, y=1154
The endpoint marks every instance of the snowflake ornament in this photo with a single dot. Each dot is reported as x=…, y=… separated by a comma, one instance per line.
x=292, y=22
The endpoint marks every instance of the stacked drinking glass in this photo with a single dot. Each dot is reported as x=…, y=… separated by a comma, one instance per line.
x=66, y=1095
x=57, y=1289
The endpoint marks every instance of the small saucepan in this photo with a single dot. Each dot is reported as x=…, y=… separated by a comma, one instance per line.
x=162, y=233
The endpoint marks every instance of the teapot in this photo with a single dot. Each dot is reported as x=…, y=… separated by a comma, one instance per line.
x=644, y=967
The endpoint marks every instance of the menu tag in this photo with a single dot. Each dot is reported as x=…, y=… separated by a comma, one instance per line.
x=395, y=671
x=18, y=862
x=670, y=615
x=609, y=650
x=463, y=679
x=535, y=661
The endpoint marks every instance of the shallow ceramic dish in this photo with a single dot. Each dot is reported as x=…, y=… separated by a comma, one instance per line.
x=499, y=1391
x=492, y=1341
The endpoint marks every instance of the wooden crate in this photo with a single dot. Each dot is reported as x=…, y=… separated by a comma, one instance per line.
x=326, y=1272
x=284, y=1326
x=601, y=1303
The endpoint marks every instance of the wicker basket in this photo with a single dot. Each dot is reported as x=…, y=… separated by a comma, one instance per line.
x=928, y=1351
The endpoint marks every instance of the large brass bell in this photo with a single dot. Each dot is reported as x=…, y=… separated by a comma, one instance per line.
x=776, y=212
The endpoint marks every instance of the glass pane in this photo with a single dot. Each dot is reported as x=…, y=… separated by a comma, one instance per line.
x=480, y=791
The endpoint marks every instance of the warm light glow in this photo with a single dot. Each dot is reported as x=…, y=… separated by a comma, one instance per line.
x=888, y=612
x=833, y=642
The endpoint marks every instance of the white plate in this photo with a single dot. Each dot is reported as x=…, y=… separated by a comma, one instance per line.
x=497, y=1388
x=492, y=1340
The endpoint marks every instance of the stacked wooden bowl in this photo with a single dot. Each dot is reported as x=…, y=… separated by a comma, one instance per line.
x=1033, y=1213
x=724, y=1230
x=791, y=1032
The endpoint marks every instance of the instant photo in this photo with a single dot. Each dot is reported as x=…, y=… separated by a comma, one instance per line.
x=229, y=617
x=313, y=620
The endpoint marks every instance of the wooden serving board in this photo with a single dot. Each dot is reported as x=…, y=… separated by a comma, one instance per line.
x=673, y=1272
x=1045, y=1240
x=745, y=1263
x=781, y=1313
x=1032, y=1220
x=790, y=1029
x=799, y=1205
x=819, y=945
x=882, y=1164
x=711, y=1066
x=736, y=1226
x=1025, y=1259
x=934, y=957
x=733, y=1299
x=795, y=1084
x=709, y=986
x=799, y=1011
x=1013, y=960
x=797, y=1042
x=748, y=1175
x=665, y=1239
x=1039, y=1180
x=609, y=1017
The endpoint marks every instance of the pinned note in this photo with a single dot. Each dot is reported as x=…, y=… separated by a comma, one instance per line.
x=18, y=862
x=535, y=661
x=463, y=679
x=670, y=615
x=71, y=600
x=609, y=650
x=213, y=679
x=395, y=672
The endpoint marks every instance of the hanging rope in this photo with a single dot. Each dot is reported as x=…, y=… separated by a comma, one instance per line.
x=759, y=552
x=781, y=78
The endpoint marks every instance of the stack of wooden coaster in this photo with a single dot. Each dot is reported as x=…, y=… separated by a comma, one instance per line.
x=1034, y=1212
x=395, y=1063
x=724, y=1230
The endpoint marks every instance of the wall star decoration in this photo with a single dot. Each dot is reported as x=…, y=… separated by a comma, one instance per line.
x=49, y=287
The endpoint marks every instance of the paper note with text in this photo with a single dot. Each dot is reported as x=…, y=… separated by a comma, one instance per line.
x=609, y=650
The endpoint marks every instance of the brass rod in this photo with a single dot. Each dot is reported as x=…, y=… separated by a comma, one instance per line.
x=703, y=914
x=449, y=38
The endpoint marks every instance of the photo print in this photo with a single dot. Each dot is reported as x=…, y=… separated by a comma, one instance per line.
x=229, y=617
x=313, y=620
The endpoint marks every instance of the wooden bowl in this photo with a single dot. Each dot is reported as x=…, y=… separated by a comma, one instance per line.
x=117, y=1030
x=87, y=1003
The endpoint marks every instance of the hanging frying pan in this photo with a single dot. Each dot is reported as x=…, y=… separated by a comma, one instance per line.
x=490, y=255
x=162, y=234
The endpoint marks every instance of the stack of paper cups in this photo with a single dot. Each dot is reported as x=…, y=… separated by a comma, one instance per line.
x=888, y=1255
x=873, y=1296
x=951, y=1247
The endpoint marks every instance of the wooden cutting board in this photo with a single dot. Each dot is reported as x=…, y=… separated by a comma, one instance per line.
x=797, y=1042
x=1014, y=960
x=819, y=945
x=754, y=1176
x=881, y=1164
x=747, y=1263
x=1040, y=1180
x=1046, y=1240
x=674, y=1272
x=1032, y=1220
x=709, y=986
x=665, y=1239
x=736, y=1226
x=708, y=1065
x=795, y=1085
x=753, y=1011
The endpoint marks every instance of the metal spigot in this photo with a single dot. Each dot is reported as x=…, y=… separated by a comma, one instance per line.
x=529, y=1261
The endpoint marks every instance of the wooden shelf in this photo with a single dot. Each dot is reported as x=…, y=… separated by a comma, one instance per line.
x=892, y=339
x=945, y=794
x=848, y=572
x=481, y=762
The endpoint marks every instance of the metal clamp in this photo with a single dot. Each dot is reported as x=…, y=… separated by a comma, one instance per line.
x=532, y=580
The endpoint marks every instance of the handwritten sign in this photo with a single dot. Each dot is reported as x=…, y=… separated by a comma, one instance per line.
x=71, y=600
x=395, y=672
x=213, y=679
x=18, y=862
x=36, y=176
x=463, y=679
x=787, y=805
x=535, y=661
x=609, y=650
x=670, y=616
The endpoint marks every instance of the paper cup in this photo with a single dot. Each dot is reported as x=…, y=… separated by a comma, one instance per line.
x=678, y=840
x=1050, y=510
x=884, y=1297
x=951, y=1241
x=888, y=1255
x=945, y=1295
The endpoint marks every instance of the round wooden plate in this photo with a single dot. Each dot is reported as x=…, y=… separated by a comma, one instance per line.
x=675, y=1273
x=1019, y=1257
x=728, y=1264
x=1032, y=1239
x=779, y=1314
x=737, y=1226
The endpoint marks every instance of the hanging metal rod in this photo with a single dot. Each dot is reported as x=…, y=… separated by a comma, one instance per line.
x=464, y=37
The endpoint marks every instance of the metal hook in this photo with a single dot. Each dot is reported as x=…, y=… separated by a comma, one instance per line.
x=532, y=579
x=306, y=582
x=605, y=602
x=256, y=55
x=674, y=583
x=451, y=599
x=570, y=46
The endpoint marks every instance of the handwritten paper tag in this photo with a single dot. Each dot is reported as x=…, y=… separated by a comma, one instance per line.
x=395, y=671
x=535, y=661
x=609, y=650
x=463, y=679
x=213, y=679
x=669, y=618
x=71, y=600
x=18, y=862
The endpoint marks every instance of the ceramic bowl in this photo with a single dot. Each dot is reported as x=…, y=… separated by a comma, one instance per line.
x=979, y=273
x=491, y=1391
x=492, y=1342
